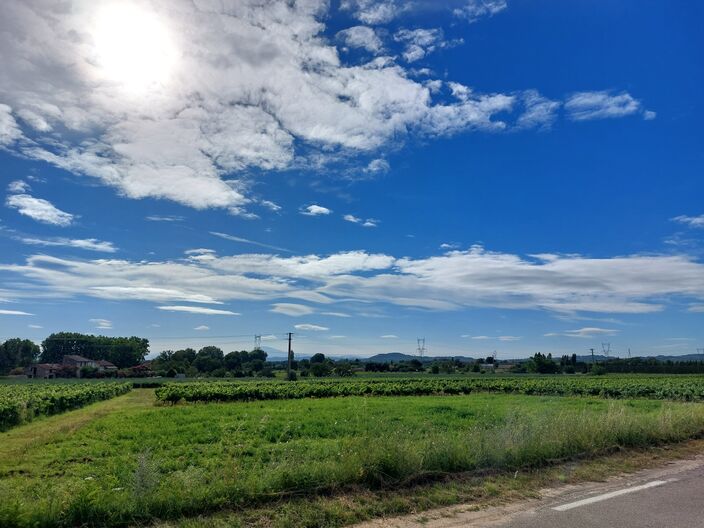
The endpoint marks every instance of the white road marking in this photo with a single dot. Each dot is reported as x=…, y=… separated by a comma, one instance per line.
x=610, y=495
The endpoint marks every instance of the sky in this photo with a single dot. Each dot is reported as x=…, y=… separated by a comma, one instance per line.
x=492, y=175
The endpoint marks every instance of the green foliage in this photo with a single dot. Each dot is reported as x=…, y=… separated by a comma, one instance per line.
x=656, y=387
x=17, y=353
x=140, y=464
x=22, y=403
x=123, y=352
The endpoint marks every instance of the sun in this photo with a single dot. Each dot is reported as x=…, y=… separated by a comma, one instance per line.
x=134, y=47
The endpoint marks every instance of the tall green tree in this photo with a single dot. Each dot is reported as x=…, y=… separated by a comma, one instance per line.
x=122, y=351
x=17, y=353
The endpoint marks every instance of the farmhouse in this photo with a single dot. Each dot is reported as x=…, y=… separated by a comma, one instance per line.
x=79, y=362
x=71, y=363
x=43, y=370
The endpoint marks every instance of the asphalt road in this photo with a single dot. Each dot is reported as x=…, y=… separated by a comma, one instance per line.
x=671, y=496
x=675, y=501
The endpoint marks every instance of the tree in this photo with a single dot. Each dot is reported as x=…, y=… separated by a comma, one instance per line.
x=208, y=359
x=317, y=358
x=122, y=351
x=17, y=353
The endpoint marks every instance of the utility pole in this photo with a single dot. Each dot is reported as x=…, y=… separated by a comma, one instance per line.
x=592, y=355
x=290, y=355
x=257, y=342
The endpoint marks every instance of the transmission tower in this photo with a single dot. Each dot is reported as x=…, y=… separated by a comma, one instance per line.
x=257, y=342
x=606, y=349
x=421, y=347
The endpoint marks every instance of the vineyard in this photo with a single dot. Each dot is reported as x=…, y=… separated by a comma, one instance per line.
x=652, y=387
x=22, y=403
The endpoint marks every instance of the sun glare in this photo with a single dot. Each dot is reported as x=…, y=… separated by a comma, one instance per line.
x=134, y=47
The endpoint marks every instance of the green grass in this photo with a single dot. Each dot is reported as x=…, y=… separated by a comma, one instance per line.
x=126, y=461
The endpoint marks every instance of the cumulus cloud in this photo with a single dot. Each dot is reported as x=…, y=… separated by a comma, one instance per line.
x=196, y=310
x=377, y=166
x=39, y=209
x=690, y=221
x=474, y=10
x=584, y=106
x=361, y=37
x=369, y=222
x=247, y=86
x=586, y=333
x=311, y=327
x=89, y=244
x=419, y=43
x=562, y=284
x=18, y=187
x=374, y=11
x=315, y=210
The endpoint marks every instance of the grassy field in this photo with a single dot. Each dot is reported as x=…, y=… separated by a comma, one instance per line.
x=127, y=460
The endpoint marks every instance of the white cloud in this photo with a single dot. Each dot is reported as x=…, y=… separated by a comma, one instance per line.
x=649, y=115
x=583, y=106
x=90, y=244
x=272, y=206
x=361, y=37
x=449, y=245
x=234, y=238
x=377, y=166
x=539, y=112
x=369, y=222
x=509, y=338
x=34, y=326
x=102, y=324
x=473, y=10
x=9, y=130
x=253, y=86
x=696, y=308
x=196, y=310
x=335, y=314
x=18, y=187
x=294, y=310
x=202, y=328
x=165, y=218
x=39, y=209
x=13, y=312
x=586, y=333
x=562, y=284
x=389, y=336
x=690, y=221
x=421, y=42
x=315, y=210
x=375, y=11
x=311, y=327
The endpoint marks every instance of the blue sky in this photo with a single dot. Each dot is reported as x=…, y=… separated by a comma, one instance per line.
x=490, y=175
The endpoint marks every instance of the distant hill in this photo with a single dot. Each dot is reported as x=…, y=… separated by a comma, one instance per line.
x=390, y=357
x=396, y=357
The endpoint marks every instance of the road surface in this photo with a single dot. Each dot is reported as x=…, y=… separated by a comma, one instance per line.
x=668, y=497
